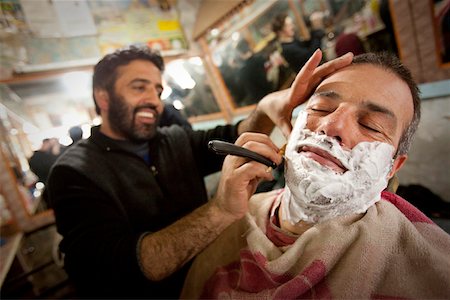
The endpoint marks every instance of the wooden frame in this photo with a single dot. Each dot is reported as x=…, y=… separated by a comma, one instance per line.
x=442, y=41
x=14, y=192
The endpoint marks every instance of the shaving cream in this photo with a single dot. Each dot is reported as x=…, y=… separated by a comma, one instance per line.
x=315, y=193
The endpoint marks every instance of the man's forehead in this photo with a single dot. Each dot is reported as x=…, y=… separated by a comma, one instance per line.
x=354, y=71
x=139, y=69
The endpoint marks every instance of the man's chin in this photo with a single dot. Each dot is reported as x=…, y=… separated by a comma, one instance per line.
x=143, y=134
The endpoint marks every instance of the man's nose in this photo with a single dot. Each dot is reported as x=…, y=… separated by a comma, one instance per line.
x=339, y=126
x=153, y=94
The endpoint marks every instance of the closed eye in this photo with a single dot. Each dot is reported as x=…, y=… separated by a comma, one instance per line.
x=319, y=111
x=371, y=128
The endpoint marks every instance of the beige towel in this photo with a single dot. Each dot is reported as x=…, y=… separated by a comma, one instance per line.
x=391, y=251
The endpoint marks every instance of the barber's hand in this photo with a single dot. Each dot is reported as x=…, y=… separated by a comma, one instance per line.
x=278, y=106
x=240, y=176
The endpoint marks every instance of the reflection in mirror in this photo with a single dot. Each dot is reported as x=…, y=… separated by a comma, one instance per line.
x=249, y=45
x=188, y=89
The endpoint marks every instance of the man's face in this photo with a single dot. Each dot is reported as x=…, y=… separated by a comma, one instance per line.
x=361, y=103
x=288, y=27
x=340, y=153
x=134, y=105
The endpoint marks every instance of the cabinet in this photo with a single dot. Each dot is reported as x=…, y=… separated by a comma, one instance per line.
x=36, y=271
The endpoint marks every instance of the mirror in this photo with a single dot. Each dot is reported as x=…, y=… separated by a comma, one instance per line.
x=253, y=60
x=188, y=88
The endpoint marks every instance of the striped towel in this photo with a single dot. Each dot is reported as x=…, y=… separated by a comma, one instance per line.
x=391, y=251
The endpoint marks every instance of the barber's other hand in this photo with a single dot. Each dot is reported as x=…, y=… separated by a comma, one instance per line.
x=278, y=106
x=240, y=176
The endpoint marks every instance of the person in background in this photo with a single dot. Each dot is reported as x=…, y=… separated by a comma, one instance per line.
x=348, y=42
x=252, y=74
x=130, y=201
x=334, y=231
x=43, y=159
x=294, y=51
x=76, y=134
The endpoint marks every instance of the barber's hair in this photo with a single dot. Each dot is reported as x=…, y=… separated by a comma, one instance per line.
x=105, y=72
x=391, y=63
x=278, y=22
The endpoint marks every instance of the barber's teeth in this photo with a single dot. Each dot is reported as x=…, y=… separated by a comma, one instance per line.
x=145, y=114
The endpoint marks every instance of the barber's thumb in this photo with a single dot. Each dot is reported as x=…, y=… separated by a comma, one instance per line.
x=286, y=128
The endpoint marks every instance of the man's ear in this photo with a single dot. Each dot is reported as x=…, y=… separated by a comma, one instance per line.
x=398, y=163
x=102, y=99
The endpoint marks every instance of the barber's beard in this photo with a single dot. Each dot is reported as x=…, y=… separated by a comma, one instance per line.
x=315, y=193
x=121, y=117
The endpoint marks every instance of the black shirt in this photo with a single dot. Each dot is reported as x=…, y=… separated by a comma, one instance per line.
x=105, y=198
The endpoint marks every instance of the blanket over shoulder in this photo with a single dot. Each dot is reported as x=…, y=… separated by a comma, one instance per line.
x=391, y=251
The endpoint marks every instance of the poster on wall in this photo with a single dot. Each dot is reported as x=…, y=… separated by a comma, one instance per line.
x=68, y=18
x=52, y=34
x=126, y=22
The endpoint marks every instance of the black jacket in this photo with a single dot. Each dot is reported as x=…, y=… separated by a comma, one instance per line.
x=105, y=198
x=297, y=53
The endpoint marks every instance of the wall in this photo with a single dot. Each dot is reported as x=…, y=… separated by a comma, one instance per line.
x=413, y=23
x=428, y=163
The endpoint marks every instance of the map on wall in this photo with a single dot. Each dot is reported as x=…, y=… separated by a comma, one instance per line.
x=53, y=39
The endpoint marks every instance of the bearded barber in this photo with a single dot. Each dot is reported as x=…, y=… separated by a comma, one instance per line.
x=130, y=201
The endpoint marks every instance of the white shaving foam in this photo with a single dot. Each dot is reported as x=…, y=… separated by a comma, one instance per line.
x=315, y=193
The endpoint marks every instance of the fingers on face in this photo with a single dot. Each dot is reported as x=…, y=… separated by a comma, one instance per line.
x=286, y=128
x=331, y=66
x=307, y=70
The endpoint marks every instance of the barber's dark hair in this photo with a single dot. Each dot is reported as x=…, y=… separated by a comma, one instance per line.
x=278, y=22
x=391, y=63
x=105, y=72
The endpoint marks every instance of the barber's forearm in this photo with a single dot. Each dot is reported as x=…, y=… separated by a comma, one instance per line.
x=257, y=121
x=164, y=252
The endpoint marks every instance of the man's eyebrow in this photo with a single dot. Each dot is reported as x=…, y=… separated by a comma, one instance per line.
x=328, y=94
x=142, y=80
x=381, y=109
x=139, y=80
x=367, y=104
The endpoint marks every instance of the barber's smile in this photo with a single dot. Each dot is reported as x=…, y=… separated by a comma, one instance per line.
x=323, y=157
x=146, y=115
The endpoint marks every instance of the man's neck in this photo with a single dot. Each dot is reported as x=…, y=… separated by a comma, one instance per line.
x=286, y=39
x=298, y=228
x=109, y=132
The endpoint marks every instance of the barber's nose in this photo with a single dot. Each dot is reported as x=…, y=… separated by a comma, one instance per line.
x=153, y=94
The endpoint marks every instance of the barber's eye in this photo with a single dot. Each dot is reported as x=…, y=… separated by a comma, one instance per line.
x=139, y=88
